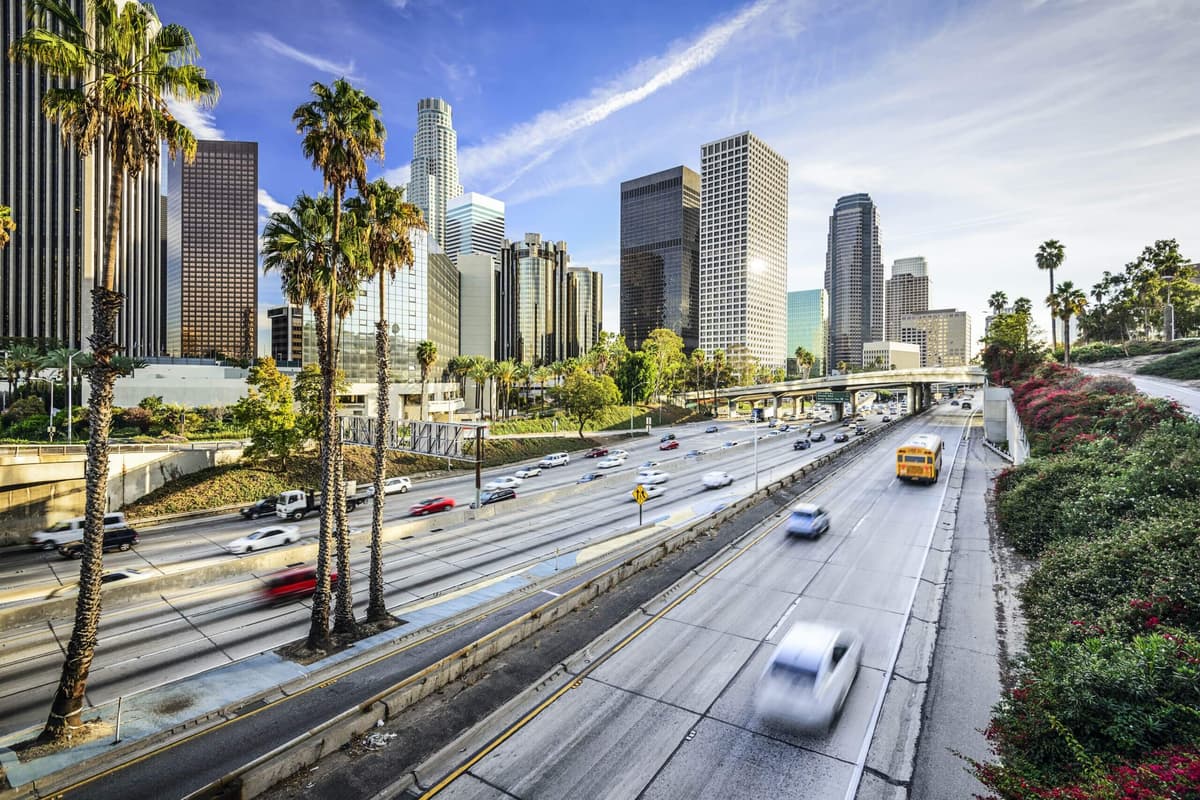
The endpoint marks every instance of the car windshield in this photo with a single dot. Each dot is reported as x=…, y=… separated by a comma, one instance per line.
x=426, y=501
x=59, y=527
x=799, y=676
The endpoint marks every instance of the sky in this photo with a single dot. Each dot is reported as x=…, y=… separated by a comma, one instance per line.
x=980, y=128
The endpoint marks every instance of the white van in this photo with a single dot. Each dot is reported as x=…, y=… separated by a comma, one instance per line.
x=71, y=530
x=554, y=460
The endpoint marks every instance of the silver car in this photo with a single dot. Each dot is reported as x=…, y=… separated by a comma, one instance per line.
x=808, y=678
x=807, y=519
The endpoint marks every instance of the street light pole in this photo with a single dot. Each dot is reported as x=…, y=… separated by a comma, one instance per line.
x=754, y=427
x=70, y=387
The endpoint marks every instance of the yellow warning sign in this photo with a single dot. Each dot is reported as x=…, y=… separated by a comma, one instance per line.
x=639, y=494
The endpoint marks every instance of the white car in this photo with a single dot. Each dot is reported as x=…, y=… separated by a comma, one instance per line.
x=111, y=576
x=652, y=490
x=263, y=538
x=554, y=460
x=528, y=472
x=806, y=682
x=652, y=476
x=398, y=484
x=506, y=482
x=618, y=453
x=716, y=480
x=612, y=461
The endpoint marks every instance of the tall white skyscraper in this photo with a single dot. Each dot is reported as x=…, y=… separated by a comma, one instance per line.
x=854, y=279
x=433, y=180
x=906, y=292
x=474, y=224
x=743, y=250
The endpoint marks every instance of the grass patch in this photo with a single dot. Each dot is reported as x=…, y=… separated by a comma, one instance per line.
x=1093, y=352
x=227, y=485
x=1184, y=366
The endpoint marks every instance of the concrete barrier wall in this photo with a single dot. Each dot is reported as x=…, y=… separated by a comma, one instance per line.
x=30, y=508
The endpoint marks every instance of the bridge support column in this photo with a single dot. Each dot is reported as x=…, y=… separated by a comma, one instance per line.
x=732, y=408
x=775, y=405
x=797, y=406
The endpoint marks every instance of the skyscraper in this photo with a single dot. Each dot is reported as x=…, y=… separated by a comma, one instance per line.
x=212, y=252
x=854, y=279
x=943, y=334
x=474, y=224
x=807, y=327
x=479, y=311
x=585, y=298
x=907, y=292
x=660, y=256
x=287, y=333
x=533, y=300
x=58, y=200
x=433, y=179
x=743, y=250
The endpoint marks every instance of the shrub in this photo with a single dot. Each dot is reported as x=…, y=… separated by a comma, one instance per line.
x=135, y=417
x=1079, y=706
x=23, y=409
x=32, y=428
x=1184, y=365
x=1168, y=774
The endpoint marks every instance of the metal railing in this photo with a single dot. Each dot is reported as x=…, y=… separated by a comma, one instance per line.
x=116, y=447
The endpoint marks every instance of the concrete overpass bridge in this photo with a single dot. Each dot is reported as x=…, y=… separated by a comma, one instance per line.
x=917, y=385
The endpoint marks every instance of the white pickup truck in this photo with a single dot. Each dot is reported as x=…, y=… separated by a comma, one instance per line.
x=297, y=503
x=70, y=530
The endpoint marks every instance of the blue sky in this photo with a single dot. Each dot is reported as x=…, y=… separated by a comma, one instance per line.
x=980, y=128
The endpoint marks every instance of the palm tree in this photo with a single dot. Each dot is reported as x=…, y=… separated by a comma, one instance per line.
x=117, y=72
x=7, y=226
x=479, y=372
x=457, y=367
x=340, y=129
x=504, y=372
x=997, y=302
x=805, y=360
x=1071, y=301
x=298, y=244
x=426, y=358
x=718, y=369
x=1050, y=257
x=387, y=221
x=541, y=375
x=1022, y=305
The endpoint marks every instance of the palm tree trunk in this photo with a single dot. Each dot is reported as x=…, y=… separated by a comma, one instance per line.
x=318, y=633
x=1067, y=342
x=424, y=394
x=376, y=608
x=1053, y=321
x=65, y=710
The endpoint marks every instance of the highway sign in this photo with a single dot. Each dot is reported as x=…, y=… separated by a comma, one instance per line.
x=639, y=494
x=833, y=397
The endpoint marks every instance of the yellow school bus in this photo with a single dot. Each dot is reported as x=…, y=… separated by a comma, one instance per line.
x=920, y=458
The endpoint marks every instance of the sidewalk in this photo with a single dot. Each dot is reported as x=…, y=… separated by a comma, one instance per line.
x=975, y=637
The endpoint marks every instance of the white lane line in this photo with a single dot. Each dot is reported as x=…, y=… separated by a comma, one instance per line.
x=784, y=616
x=552, y=594
x=861, y=762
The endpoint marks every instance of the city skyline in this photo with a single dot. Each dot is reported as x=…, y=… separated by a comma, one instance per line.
x=965, y=183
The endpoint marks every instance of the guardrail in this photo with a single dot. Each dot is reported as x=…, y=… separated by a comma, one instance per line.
x=114, y=447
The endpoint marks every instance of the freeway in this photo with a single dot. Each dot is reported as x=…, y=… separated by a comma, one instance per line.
x=664, y=707
x=183, y=632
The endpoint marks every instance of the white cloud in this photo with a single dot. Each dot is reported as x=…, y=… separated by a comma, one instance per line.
x=535, y=141
x=199, y=120
x=269, y=204
x=398, y=176
x=333, y=68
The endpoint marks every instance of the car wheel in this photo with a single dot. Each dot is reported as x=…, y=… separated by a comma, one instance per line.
x=297, y=515
x=123, y=546
x=446, y=508
x=403, y=490
x=49, y=546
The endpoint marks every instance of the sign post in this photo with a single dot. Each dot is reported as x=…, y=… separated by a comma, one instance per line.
x=639, y=494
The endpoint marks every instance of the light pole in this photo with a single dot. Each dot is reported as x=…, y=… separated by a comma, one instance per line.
x=70, y=386
x=754, y=427
x=631, y=391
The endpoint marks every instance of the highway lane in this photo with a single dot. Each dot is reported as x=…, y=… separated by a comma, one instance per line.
x=187, y=631
x=670, y=714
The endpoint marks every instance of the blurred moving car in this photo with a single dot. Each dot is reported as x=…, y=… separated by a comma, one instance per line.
x=808, y=519
x=503, y=482
x=667, y=437
x=528, y=472
x=293, y=582
x=711, y=429
x=263, y=508
x=611, y=462
x=596, y=452
x=953, y=402
x=784, y=428
x=887, y=419
x=651, y=490
x=495, y=496
x=966, y=405
x=671, y=445
x=807, y=680
x=693, y=454
x=588, y=477
x=121, y=538
x=841, y=437
x=111, y=576
x=730, y=444
x=399, y=484
x=554, y=460
x=618, y=453
x=860, y=430
x=652, y=476
x=71, y=530
x=716, y=479
x=431, y=505
x=801, y=444
x=271, y=536
x=818, y=437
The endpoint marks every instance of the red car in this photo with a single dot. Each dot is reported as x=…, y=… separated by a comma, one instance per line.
x=431, y=505
x=671, y=445
x=596, y=452
x=292, y=583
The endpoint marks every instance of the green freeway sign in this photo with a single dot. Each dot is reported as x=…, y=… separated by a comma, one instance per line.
x=833, y=397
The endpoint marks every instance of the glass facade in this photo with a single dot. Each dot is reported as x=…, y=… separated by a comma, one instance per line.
x=212, y=252
x=660, y=256
x=854, y=279
x=807, y=327
x=433, y=174
x=585, y=295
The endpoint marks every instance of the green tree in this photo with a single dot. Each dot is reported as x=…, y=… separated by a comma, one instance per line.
x=636, y=377
x=340, y=128
x=504, y=373
x=608, y=352
x=1049, y=257
x=307, y=392
x=805, y=361
x=997, y=302
x=117, y=72
x=387, y=222
x=7, y=226
x=583, y=396
x=665, y=348
x=426, y=357
x=479, y=372
x=268, y=411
